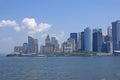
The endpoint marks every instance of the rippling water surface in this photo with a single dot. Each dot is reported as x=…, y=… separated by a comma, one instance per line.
x=60, y=68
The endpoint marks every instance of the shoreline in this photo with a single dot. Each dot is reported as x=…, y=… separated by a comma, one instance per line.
x=60, y=54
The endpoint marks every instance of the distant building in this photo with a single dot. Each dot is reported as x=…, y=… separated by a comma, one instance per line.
x=42, y=49
x=47, y=41
x=107, y=38
x=25, y=48
x=109, y=47
x=72, y=42
x=109, y=31
x=53, y=40
x=75, y=37
x=79, y=42
x=88, y=39
x=55, y=44
x=36, y=46
x=32, y=45
x=82, y=42
x=48, y=46
x=116, y=35
x=97, y=40
x=18, y=49
x=69, y=45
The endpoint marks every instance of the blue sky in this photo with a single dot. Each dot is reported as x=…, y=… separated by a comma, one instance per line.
x=20, y=18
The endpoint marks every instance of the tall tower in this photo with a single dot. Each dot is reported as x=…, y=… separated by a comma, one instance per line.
x=79, y=41
x=82, y=42
x=25, y=48
x=74, y=36
x=97, y=40
x=88, y=39
x=47, y=41
x=109, y=31
x=32, y=45
x=116, y=35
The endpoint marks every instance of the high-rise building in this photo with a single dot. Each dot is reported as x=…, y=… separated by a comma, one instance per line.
x=109, y=31
x=109, y=47
x=88, y=39
x=69, y=45
x=25, y=48
x=47, y=41
x=66, y=47
x=53, y=39
x=82, y=42
x=116, y=35
x=75, y=37
x=55, y=44
x=57, y=49
x=32, y=45
x=48, y=46
x=72, y=42
x=97, y=40
x=42, y=49
x=79, y=42
x=36, y=45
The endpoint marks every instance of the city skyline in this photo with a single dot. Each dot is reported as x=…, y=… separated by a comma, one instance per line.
x=90, y=40
x=20, y=19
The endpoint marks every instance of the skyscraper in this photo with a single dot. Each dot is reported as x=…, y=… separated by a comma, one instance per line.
x=109, y=31
x=72, y=42
x=55, y=44
x=74, y=36
x=88, y=39
x=79, y=42
x=48, y=46
x=116, y=35
x=82, y=42
x=36, y=46
x=53, y=40
x=47, y=41
x=32, y=45
x=97, y=40
x=25, y=48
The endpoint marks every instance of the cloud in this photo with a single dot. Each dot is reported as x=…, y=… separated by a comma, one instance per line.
x=10, y=23
x=29, y=25
x=5, y=23
x=43, y=27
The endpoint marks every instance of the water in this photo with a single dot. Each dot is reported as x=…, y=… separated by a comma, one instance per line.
x=60, y=68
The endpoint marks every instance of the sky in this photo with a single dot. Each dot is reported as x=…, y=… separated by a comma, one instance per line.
x=37, y=18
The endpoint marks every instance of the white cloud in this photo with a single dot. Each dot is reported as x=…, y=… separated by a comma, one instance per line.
x=29, y=25
x=32, y=27
x=5, y=23
x=42, y=27
x=10, y=23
